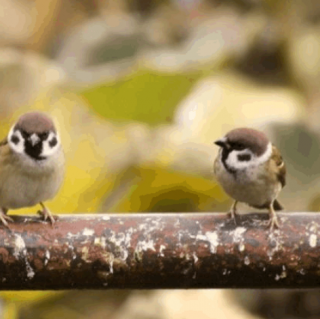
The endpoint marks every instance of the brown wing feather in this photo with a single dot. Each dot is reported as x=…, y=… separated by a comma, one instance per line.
x=280, y=167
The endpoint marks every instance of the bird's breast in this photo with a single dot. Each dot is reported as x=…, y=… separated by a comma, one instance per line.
x=24, y=186
x=251, y=185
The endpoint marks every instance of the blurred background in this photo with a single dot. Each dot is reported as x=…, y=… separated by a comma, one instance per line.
x=140, y=89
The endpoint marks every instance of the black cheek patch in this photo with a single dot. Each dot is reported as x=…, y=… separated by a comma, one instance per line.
x=224, y=157
x=244, y=158
x=53, y=142
x=15, y=139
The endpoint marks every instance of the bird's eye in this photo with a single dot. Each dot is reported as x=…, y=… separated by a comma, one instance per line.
x=43, y=136
x=53, y=142
x=25, y=135
x=15, y=139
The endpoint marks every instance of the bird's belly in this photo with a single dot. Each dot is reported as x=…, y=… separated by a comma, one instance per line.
x=253, y=194
x=22, y=190
x=254, y=191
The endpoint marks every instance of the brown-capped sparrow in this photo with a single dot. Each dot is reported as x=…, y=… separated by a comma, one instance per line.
x=31, y=165
x=251, y=170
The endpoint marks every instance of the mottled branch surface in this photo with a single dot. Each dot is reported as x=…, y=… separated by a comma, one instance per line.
x=160, y=251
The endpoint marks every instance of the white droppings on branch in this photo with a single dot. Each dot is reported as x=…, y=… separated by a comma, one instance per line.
x=313, y=240
x=177, y=224
x=238, y=234
x=19, y=247
x=276, y=242
x=212, y=238
x=30, y=272
x=195, y=258
x=111, y=266
x=144, y=245
x=70, y=235
x=282, y=275
x=20, y=252
x=238, y=237
x=201, y=237
x=85, y=254
x=46, y=257
x=161, y=248
x=88, y=232
x=100, y=241
x=302, y=271
x=122, y=241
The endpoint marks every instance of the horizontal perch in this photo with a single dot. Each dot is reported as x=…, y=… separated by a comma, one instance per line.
x=160, y=251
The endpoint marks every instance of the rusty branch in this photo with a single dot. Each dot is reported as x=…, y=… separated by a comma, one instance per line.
x=160, y=251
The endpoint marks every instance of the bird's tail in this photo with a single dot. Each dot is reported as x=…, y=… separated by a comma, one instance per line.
x=277, y=205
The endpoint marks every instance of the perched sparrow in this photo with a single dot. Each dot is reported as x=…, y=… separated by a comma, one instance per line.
x=31, y=165
x=251, y=170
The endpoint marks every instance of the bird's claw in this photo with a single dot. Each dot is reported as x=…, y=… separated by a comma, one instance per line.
x=232, y=214
x=4, y=218
x=273, y=222
x=46, y=214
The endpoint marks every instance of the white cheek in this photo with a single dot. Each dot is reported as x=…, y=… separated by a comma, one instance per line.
x=264, y=157
x=47, y=150
x=233, y=162
x=18, y=148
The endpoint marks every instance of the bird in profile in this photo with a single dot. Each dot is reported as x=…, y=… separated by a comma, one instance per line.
x=250, y=170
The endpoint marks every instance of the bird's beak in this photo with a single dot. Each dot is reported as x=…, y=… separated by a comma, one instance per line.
x=34, y=139
x=220, y=143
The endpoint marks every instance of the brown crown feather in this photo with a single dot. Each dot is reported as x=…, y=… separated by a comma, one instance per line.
x=250, y=138
x=35, y=122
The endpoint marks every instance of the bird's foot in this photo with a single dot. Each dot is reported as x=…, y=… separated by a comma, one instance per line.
x=46, y=214
x=232, y=214
x=233, y=211
x=274, y=222
x=4, y=218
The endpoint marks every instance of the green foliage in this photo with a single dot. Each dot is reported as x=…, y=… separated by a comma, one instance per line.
x=160, y=189
x=145, y=96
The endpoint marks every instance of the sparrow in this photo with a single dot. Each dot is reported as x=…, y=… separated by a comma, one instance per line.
x=250, y=170
x=31, y=165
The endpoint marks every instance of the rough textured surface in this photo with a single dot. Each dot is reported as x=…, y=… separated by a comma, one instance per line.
x=160, y=251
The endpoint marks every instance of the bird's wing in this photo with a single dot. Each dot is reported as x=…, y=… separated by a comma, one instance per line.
x=278, y=166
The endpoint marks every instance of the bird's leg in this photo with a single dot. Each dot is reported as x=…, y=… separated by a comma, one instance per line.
x=46, y=214
x=274, y=221
x=4, y=217
x=233, y=210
